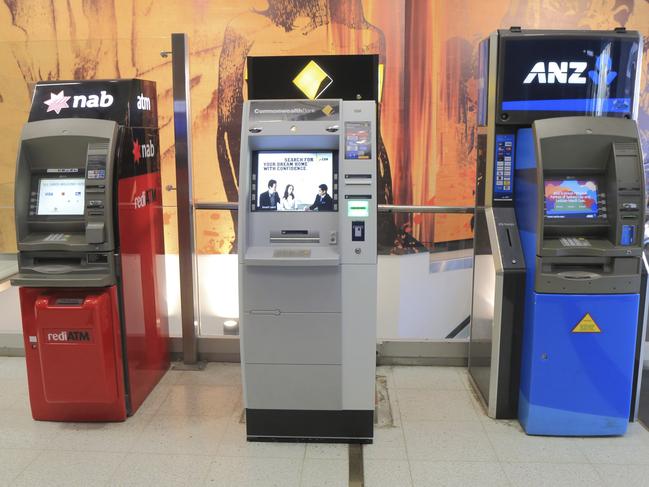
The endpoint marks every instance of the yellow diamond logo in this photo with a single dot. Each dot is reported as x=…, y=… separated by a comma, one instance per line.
x=327, y=110
x=312, y=80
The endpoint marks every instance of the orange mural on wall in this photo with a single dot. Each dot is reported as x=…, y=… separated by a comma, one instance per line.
x=427, y=113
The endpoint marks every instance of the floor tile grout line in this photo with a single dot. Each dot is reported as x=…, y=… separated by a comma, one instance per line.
x=394, y=399
x=493, y=447
x=301, y=471
x=599, y=475
x=401, y=427
x=33, y=460
x=117, y=469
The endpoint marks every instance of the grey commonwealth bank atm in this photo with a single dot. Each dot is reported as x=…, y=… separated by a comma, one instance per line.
x=307, y=269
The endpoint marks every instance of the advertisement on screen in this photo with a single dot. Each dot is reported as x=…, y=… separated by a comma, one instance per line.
x=570, y=198
x=294, y=181
x=63, y=196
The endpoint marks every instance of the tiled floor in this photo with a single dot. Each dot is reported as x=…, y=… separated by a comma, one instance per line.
x=189, y=433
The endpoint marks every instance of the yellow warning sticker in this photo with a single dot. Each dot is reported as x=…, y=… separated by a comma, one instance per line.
x=587, y=325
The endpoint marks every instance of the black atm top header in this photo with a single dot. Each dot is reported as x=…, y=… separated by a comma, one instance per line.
x=129, y=102
x=545, y=73
x=349, y=77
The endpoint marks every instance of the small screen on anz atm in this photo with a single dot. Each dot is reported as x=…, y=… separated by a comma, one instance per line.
x=294, y=181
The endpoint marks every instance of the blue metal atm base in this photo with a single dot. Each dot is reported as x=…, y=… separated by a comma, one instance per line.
x=576, y=380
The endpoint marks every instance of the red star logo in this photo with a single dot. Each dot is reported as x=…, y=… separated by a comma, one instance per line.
x=57, y=102
x=137, y=152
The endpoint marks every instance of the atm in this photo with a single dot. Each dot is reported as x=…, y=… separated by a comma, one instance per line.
x=580, y=208
x=574, y=82
x=307, y=269
x=88, y=208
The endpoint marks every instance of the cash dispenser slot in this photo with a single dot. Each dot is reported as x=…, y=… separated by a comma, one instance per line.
x=65, y=269
x=295, y=237
x=575, y=271
x=56, y=265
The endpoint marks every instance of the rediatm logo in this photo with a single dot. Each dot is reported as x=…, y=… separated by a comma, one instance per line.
x=145, y=198
x=572, y=72
x=68, y=336
x=59, y=101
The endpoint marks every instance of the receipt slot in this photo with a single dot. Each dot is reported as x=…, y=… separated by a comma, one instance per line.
x=91, y=251
x=307, y=269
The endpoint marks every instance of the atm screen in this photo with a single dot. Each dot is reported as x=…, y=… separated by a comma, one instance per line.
x=570, y=198
x=62, y=196
x=294, y=181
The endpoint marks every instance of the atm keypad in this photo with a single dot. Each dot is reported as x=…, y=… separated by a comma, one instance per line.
x=574, y=242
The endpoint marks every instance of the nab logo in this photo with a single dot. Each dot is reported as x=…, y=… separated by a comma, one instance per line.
x=69, y=336
x=143, y=102
x=142, y=150
x=145, y=198
x=59, y=101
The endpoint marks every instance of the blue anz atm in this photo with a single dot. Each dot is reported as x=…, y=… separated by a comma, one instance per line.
x=559, y=284
x=580, y=212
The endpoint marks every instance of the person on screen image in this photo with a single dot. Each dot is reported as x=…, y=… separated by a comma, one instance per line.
x=268, y=200
x=323, y=201
x=288, y=200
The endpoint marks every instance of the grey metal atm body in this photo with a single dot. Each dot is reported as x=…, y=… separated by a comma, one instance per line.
x=307, y=269
x=88, y=242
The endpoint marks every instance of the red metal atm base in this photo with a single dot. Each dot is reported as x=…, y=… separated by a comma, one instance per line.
x=73, y=351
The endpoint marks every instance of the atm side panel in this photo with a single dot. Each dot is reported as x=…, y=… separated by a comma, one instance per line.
x=141, y=251
x=358, y=240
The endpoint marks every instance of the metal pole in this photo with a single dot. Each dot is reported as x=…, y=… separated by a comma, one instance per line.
x=184, y=202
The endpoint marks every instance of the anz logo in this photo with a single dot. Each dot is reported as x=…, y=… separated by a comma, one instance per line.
x=572, y=72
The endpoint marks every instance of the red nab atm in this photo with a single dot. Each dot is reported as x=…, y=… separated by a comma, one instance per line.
x=91, y=252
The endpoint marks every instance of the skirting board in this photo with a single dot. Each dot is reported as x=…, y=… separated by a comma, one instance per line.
x=226, y=349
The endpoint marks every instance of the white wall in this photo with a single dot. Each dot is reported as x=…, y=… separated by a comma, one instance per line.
x=10, y=321
x=414, y=303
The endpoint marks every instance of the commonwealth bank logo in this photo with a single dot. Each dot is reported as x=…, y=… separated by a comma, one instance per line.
x=312, y=80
